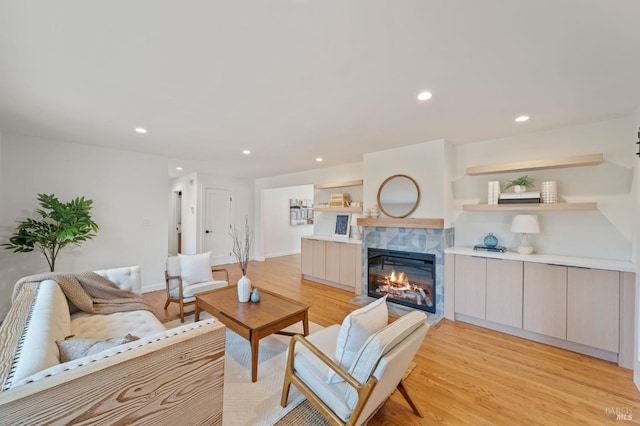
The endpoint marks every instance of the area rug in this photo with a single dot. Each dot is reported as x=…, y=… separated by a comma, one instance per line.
x=305, y=414
x=247, y=403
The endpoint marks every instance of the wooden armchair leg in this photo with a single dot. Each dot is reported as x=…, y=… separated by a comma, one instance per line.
x=407, y=397
x=166, y=305
x=285, y=390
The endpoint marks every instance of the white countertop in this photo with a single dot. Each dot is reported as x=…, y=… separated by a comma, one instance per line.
x=581, y=262
x=332, y=238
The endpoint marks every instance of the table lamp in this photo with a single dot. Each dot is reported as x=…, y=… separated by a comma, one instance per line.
x=525, y=224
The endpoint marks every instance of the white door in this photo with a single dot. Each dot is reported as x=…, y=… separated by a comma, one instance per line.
x=217, y=225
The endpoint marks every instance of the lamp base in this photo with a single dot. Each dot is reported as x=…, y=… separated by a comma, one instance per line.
x=525, y=247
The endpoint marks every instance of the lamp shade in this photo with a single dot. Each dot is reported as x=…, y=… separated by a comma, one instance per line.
x=525, y=224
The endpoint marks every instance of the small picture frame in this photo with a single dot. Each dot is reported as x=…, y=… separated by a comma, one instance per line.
x=343, y=224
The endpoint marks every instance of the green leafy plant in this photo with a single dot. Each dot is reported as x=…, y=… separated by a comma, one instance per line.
x=60, y=224
x=525, y=181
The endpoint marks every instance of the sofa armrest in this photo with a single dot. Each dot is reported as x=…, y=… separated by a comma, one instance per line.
x=173, y=377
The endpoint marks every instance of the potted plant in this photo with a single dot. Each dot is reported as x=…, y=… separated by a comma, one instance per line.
x=241, y=250
x=520, y=184
x=60, y=224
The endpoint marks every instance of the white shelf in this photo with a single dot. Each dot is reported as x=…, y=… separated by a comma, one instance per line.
x=529, y=207
x=339, y=209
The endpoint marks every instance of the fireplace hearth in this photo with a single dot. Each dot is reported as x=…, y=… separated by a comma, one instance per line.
x=407, y=278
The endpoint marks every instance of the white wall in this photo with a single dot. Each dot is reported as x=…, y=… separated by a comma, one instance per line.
x=636, y=251
x=427, y=163
x=242, y=205
x=345, y=172
x=280, y=238
x=127, y=189
x=604, y=233
x=188, y=185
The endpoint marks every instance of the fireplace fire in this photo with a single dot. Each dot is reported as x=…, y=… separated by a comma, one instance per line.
x=406, y=278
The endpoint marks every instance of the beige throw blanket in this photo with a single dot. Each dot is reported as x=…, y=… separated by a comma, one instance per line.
x=89, y=292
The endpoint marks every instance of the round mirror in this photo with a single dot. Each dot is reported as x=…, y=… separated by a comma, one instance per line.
x=398, y=196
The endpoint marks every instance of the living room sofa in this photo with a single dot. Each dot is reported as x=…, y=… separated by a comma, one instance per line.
x=165, y=376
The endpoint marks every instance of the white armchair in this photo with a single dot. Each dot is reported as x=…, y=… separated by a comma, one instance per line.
x=378, y=369
x=187, y=275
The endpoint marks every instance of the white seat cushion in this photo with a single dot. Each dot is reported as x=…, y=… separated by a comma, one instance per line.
x=139, y=323
x=355, y=330
x=313, y=372
x=376, y=346
x=190, y=290
x=195, y=268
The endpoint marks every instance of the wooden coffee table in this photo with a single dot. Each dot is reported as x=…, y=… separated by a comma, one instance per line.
x=253, y=321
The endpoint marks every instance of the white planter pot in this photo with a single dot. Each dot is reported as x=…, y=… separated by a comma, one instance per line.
x=519, y=188
x=244, y=289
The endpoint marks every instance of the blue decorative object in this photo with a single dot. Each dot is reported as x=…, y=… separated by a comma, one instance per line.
x=255, y=295
x=490, y=240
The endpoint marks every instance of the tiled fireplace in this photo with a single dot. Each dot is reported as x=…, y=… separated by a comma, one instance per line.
x=415, y=241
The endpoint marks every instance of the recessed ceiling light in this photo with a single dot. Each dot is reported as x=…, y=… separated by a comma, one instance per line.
x=178, y=168
x=522, y=118
x=141, y=130
x=246, y=152
x=423, y=96
x=319, y=159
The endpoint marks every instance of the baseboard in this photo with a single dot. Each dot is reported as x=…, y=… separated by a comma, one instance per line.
x=288, y=253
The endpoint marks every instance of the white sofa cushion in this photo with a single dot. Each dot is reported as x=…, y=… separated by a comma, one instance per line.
x=50, y=321
x=139, y=323
x=126, y=278
x=195, y=268
x=355, y=330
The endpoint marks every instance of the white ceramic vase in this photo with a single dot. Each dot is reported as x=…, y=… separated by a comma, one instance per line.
x=244, y=289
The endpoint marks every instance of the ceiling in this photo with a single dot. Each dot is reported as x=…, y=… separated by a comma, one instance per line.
x=292, y=80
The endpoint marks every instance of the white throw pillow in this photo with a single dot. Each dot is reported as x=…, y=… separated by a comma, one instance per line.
x=355, y=330
x=195, y=268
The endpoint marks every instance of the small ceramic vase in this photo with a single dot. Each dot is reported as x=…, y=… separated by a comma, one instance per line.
x=244, y=289
x=255, y=295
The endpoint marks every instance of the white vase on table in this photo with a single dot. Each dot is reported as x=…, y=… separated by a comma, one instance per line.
x=244, y=289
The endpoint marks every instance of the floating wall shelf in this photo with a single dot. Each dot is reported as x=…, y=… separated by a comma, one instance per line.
x=529, y=207
x=551, y=163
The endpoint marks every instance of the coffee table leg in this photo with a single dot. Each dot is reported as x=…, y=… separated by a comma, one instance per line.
x=196, y=316
x=255, y=344
x=305, y=323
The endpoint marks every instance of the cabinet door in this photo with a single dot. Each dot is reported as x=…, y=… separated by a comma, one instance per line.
x=332, y=265
x=545, y=299
x=319, y=259
x=348, y=264
x=306, y=257
x=470, y=285
x=593, y=307
x=504, y=292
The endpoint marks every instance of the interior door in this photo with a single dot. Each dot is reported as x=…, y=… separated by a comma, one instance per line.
x=217, y=225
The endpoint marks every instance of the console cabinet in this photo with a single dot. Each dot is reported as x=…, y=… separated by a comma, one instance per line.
x=577, y=308
x=334, y=263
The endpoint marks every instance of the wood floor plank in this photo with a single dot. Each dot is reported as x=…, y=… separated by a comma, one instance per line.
x=467, y=375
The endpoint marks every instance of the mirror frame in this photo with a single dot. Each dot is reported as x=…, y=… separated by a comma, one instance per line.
x=415, y=205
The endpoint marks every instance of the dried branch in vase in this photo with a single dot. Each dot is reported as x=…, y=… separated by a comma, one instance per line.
x=242, y=245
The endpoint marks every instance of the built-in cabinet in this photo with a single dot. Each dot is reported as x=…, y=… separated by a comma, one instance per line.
x=577, y=308
x=331, y=262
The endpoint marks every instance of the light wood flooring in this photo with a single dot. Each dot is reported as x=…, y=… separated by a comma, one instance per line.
x=468, y=375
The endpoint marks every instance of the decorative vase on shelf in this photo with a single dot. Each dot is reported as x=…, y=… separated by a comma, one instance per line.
x=519, y=188
x=244, y=289
x=490, y=240
x=255, y=295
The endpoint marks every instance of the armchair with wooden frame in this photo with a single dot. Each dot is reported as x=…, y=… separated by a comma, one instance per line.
x=376, y=372
x=187, y=275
